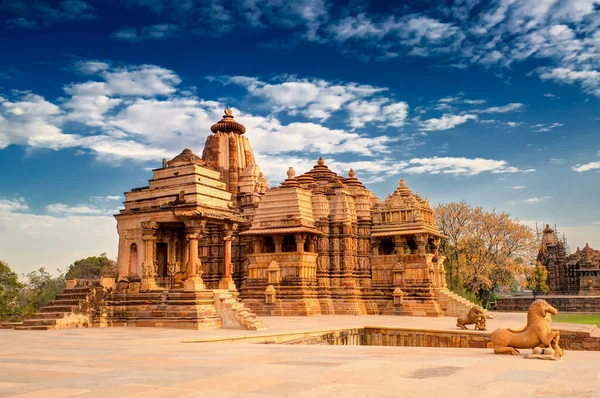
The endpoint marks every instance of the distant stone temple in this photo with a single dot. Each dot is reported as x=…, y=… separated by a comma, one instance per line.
x=208, y=244
x=575, y=274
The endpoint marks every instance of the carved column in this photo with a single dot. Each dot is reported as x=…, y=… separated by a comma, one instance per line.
x=257, y=245
x=311, y=243
x=150, y=266
x=278, y=239
x=300, y=239
x=226, y=281
x=399, y=245
x=421, y=242
x=194, y=232
x=375, y=243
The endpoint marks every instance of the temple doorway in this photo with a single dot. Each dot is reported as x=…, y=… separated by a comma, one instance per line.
x=161, y=259
x=133, y=259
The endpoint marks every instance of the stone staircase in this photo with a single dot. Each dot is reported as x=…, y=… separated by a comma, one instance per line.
x=74, y=308
x=452, y=304
x=234, y=314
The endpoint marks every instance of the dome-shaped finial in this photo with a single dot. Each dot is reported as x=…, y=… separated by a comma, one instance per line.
x=228, y=124
x=351, y=173
x=402, y=183
x=291, y=173
x=320, y=162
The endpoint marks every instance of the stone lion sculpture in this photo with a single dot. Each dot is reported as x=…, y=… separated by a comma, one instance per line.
x=537, y=332
x=475, y=316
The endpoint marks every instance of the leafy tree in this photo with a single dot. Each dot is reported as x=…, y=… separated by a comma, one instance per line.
x=92, y=268
x=536, y=279
x=486, y=250
x=10, y=287
x=40, y=288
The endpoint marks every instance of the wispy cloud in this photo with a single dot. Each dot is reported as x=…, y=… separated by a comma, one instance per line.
x=550, y=95
x=153, y=32
x=544, y=128
x=446, y=122
x=512, y=107
x=532, y=200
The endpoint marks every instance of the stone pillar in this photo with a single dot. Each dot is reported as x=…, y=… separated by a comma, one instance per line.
x=300, y=239
x=257, y=245
x=421, y=242
x=194, y=230
x=150, y=266
x=375, y=247
x=278, y=239
x=311, y=244
x=399, y=245
x=226, y=281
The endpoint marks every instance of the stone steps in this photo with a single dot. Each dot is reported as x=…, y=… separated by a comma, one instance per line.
x=68, y=310
x=452, y=304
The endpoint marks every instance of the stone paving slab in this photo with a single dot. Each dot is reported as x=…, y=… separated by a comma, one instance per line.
x=137, y=362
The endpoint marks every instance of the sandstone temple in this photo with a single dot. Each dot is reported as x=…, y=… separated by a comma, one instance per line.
x=209, y=244
x=574, y=274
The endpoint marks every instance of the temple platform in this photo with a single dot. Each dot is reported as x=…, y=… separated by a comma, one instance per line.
x=153, y=362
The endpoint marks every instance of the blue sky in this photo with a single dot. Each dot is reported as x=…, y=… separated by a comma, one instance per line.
x=493, y=102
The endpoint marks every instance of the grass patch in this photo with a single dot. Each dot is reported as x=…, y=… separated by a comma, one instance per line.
x=577, y=318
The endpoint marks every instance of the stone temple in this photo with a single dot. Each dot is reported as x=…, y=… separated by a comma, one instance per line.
x=209, y=244
x=577, y=273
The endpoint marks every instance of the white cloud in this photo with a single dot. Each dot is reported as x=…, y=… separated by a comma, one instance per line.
x=586, y=167
x=588, y=78
x=515, y=106
x=62, y=208
x=62, y=239
x=13, y=205
x=558, y=161
x=533, y=200
x=319, y=99
x=550, y=95
x=544, y=128
x=446, y=122
x=518, y=187
x=458, y=166
x=381, y=111
x=153, y=32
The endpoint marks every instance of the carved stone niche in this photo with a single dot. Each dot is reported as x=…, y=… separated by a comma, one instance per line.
x=274, y=273
x=398, y=297
x=270, y=295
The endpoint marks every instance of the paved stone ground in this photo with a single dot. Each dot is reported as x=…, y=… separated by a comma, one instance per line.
x=140, y=362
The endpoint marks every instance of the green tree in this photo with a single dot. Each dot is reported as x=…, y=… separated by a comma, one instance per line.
x=92, y=268
x=10, y=306
x=536, y=280
x=40, y=287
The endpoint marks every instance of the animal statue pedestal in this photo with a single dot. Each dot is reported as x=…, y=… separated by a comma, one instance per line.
x=536, y=333
x=475, y=316
x=543, y=353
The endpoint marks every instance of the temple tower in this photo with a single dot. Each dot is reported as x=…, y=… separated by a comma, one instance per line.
x=229, y=151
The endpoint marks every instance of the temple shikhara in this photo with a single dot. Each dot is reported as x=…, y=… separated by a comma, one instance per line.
x=209, y=244
x=574, y=274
